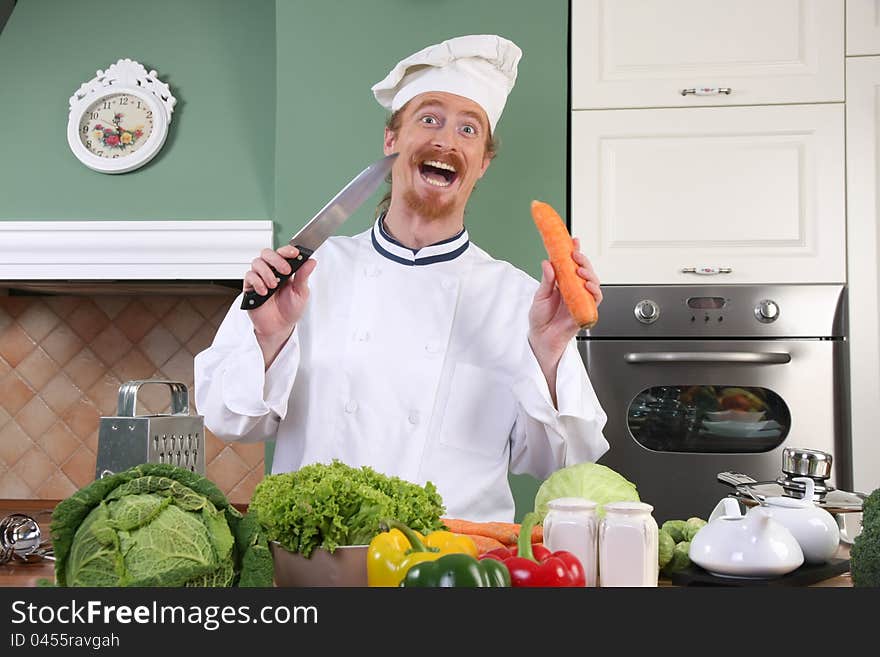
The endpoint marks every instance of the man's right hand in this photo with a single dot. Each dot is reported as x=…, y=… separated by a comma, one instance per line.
x=275, y=319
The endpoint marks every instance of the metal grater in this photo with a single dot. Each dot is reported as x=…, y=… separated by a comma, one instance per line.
x=127, y=439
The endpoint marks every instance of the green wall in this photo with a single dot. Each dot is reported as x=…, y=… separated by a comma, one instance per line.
x=218, y=56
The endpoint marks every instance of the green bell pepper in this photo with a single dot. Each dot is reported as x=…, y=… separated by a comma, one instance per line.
x=457, y=570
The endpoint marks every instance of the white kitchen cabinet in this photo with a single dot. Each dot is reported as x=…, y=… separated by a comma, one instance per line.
x=632, y=53
x=757, y=190
x=863, y=27
x=863, y=214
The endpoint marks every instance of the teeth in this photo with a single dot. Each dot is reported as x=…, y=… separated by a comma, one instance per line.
x=440, y=165
x=436, y=183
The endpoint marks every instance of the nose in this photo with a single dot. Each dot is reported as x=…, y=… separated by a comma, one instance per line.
x=444, y=137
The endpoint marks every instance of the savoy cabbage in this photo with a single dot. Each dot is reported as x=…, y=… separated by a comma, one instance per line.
x=157, y=525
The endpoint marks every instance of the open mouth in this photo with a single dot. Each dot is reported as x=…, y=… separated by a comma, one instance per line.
x=438, y=174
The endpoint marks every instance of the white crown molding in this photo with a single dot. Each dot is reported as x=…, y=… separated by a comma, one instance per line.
x=130, y=250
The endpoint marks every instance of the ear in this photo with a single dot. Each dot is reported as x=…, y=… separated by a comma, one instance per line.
x=486, y=161
x=389, y=142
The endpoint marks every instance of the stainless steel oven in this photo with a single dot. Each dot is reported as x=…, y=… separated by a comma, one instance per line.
x=698, y=380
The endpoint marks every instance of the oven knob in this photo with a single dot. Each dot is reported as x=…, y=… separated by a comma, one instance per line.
x=647, y=311
x=767, y=311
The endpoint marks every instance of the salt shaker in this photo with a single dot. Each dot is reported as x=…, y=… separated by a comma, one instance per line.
x=628, y=539
x=571, y=524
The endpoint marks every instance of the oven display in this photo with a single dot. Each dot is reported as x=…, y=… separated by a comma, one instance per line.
x=706, y=303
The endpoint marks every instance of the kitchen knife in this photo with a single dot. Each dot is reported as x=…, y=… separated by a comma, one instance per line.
x=325, y=223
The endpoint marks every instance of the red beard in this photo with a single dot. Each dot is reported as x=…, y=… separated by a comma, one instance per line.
x=430, y=206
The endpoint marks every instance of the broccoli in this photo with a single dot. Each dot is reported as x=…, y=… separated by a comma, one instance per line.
x=864, y=556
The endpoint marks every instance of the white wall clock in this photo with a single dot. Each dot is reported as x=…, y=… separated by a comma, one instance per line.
x=119, y=120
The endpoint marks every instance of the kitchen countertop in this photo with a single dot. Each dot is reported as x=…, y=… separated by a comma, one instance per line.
x=16, y=573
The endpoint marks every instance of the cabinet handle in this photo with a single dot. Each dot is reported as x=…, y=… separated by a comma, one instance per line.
x=707, y=91
x=707, y=270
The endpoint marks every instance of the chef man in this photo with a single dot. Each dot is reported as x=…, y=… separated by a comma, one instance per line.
x=407, y=348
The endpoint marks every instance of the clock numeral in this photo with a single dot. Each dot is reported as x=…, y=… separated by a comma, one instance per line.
x=85, y=129
x=101, y=153
x=123, y=100
x=149, y=114
x=89, y=144
x=115, y=156
x=106, y=104
x=139, y=105
x=94, y=115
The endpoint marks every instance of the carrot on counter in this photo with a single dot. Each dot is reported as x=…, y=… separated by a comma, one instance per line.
x=506, y=533
x=484, y=543
x=559, y=246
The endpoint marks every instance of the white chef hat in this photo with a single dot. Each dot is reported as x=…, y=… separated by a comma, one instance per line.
x=481, y=67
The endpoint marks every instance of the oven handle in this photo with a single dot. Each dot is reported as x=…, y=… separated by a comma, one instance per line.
x=725, y=357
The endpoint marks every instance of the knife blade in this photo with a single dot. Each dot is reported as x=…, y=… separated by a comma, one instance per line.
x=325, y=223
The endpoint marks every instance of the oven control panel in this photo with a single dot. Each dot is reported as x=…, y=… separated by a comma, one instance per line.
x=647, y=311
x=721, y=311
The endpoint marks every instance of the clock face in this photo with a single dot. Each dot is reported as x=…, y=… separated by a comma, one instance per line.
x=116, y=125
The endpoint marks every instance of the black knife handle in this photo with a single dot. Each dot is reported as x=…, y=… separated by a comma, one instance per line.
x=253, y=300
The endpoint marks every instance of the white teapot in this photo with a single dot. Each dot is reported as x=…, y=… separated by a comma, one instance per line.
x=751, y=545
x=814, y=528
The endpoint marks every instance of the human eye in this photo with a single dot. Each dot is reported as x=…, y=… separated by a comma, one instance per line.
x=428, y=119
x=469, y=129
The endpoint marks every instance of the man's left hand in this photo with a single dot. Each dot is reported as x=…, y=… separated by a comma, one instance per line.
x=551, y=326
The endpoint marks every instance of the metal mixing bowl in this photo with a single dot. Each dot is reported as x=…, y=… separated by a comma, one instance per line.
x=346, y=566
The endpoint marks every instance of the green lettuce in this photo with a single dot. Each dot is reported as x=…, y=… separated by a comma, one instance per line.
x=157, y=525
x=591, y=481
x=328, y=505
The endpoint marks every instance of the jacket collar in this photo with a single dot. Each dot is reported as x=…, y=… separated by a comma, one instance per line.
x=386, y=245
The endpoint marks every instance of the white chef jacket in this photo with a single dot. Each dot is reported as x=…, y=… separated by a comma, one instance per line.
x=413, y=362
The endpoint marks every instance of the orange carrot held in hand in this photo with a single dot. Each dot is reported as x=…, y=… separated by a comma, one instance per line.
x=559, y=245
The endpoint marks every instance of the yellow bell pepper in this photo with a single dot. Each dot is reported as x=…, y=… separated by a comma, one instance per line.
x=395, y=551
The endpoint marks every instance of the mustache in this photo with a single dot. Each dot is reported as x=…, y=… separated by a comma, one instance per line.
x=449, y=157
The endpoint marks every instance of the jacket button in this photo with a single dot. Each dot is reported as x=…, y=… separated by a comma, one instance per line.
x=413, y=417
x=351, y=406
x=372, y=271
x=447, y=284
x=433, y=348
x=363, y=336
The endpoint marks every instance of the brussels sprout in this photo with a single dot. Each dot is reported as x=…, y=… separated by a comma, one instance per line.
x=680, y=558
x=675, y=528
x=665, y=546
x=692, y=526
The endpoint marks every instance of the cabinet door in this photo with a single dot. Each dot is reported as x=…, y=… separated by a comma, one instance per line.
x=863, y=183
x=863, y=27
x=758, y=190
x=632, y=53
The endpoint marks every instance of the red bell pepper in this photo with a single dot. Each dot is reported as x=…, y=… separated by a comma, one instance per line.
x=535, y=565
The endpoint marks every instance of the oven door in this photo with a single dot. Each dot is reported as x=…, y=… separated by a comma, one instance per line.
x=681, y=411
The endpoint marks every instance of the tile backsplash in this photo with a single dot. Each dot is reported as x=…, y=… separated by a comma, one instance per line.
x=62, y=360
